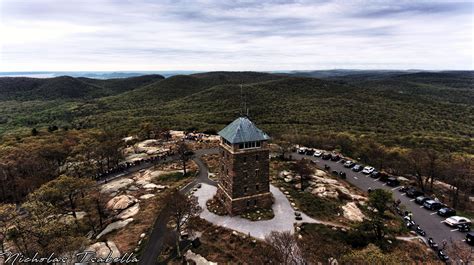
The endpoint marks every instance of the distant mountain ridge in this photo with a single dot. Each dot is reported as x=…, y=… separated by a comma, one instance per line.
x=66, y=87
x=396, y=108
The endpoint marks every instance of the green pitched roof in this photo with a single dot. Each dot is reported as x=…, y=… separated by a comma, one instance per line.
x=243, y=130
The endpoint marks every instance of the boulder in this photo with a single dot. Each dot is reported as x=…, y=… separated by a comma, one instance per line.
x=150, y=186
x=116, y=185
x=197, y=259
x=121, y=202
x=133, y=188
x=114, y=226
x=130, y=212
x=352, y=212
x=320, y=173
x=318, y=190
x=146, y=196
x=103, y=249
x=317, y=179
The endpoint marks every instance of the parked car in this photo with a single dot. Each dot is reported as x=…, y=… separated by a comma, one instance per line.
x=326, y=156
x=393, y=182
x=470, y=238
x=342, y=161
x=413, y=193
x=374, y=174
x=334, y=172
x=301, y=150
x=349, y=164
x=357, y=168
x=456, y=220
x=318, y=153
x=432, y=205
x=446, y=212
x=464, y=227
x=403, y=189
x=309, y=152
x=368, y=170
x=421, y=199
x=335, y=157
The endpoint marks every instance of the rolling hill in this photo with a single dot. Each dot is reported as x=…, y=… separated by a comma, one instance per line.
x=398, y=109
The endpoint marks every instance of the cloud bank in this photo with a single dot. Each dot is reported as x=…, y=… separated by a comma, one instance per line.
x=109, y=35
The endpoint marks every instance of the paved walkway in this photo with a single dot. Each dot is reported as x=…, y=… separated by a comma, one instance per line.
x=283, y=220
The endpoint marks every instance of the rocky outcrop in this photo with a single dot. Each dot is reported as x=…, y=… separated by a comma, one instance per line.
x=198, y=259
x=352, y=212
x=147, y=196
x=121, y=202
x=116, y=185
x=103, y=249
x=114, y=226
x=130, y=212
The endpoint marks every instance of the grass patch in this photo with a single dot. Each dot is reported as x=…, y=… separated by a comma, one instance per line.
x=259, y=214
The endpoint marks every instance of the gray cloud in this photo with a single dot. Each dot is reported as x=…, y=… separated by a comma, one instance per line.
x=234, y=35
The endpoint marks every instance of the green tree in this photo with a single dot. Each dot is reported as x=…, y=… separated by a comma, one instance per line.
x=380, y=200
x=63, y=192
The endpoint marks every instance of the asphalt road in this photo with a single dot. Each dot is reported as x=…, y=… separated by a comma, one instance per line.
x=156, y=238
x=427, y=220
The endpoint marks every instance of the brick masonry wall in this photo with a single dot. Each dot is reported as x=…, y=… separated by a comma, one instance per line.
x=244, y=176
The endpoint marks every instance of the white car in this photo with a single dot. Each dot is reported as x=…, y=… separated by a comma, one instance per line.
x=302, y=150
x=457, y=220
x=318, y=153
x=368, y=170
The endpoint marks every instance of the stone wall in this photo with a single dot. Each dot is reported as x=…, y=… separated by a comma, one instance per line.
x=244, y=179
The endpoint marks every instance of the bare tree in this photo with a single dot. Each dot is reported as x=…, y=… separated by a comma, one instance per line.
x=284, y=248
x=184, y=153
x=460, y=253
x=302, y=168
x=181, y=209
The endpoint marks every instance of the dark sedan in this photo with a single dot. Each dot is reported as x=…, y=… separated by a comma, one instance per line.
x=375, y=174
x=357, y=168
x=446, y=212
x=413, y=193
x=421, y=199
x=326, y=156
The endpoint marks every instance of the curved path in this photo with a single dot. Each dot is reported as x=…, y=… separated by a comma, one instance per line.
x=155, y=240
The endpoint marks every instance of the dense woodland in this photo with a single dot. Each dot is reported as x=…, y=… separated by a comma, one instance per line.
x=57, y=134
x=418, y=124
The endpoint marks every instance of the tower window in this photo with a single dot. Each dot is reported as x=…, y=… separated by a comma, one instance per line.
x=246, y=189
x=256, y=158
x=245, y=159
x=255, y=202
x=258, y=144
x=256, y=173
x=248, y=203
x=256, y=187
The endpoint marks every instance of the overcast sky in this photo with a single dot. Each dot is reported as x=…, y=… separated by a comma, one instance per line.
x=111, y=35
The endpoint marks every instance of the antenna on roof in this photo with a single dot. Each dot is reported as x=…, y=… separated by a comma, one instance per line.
x=244, y=111
x=241, y=101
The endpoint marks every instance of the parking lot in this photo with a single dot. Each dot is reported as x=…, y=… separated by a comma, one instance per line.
x=428, y=220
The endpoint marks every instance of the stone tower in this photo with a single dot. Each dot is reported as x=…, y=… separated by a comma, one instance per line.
x=244, y=182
